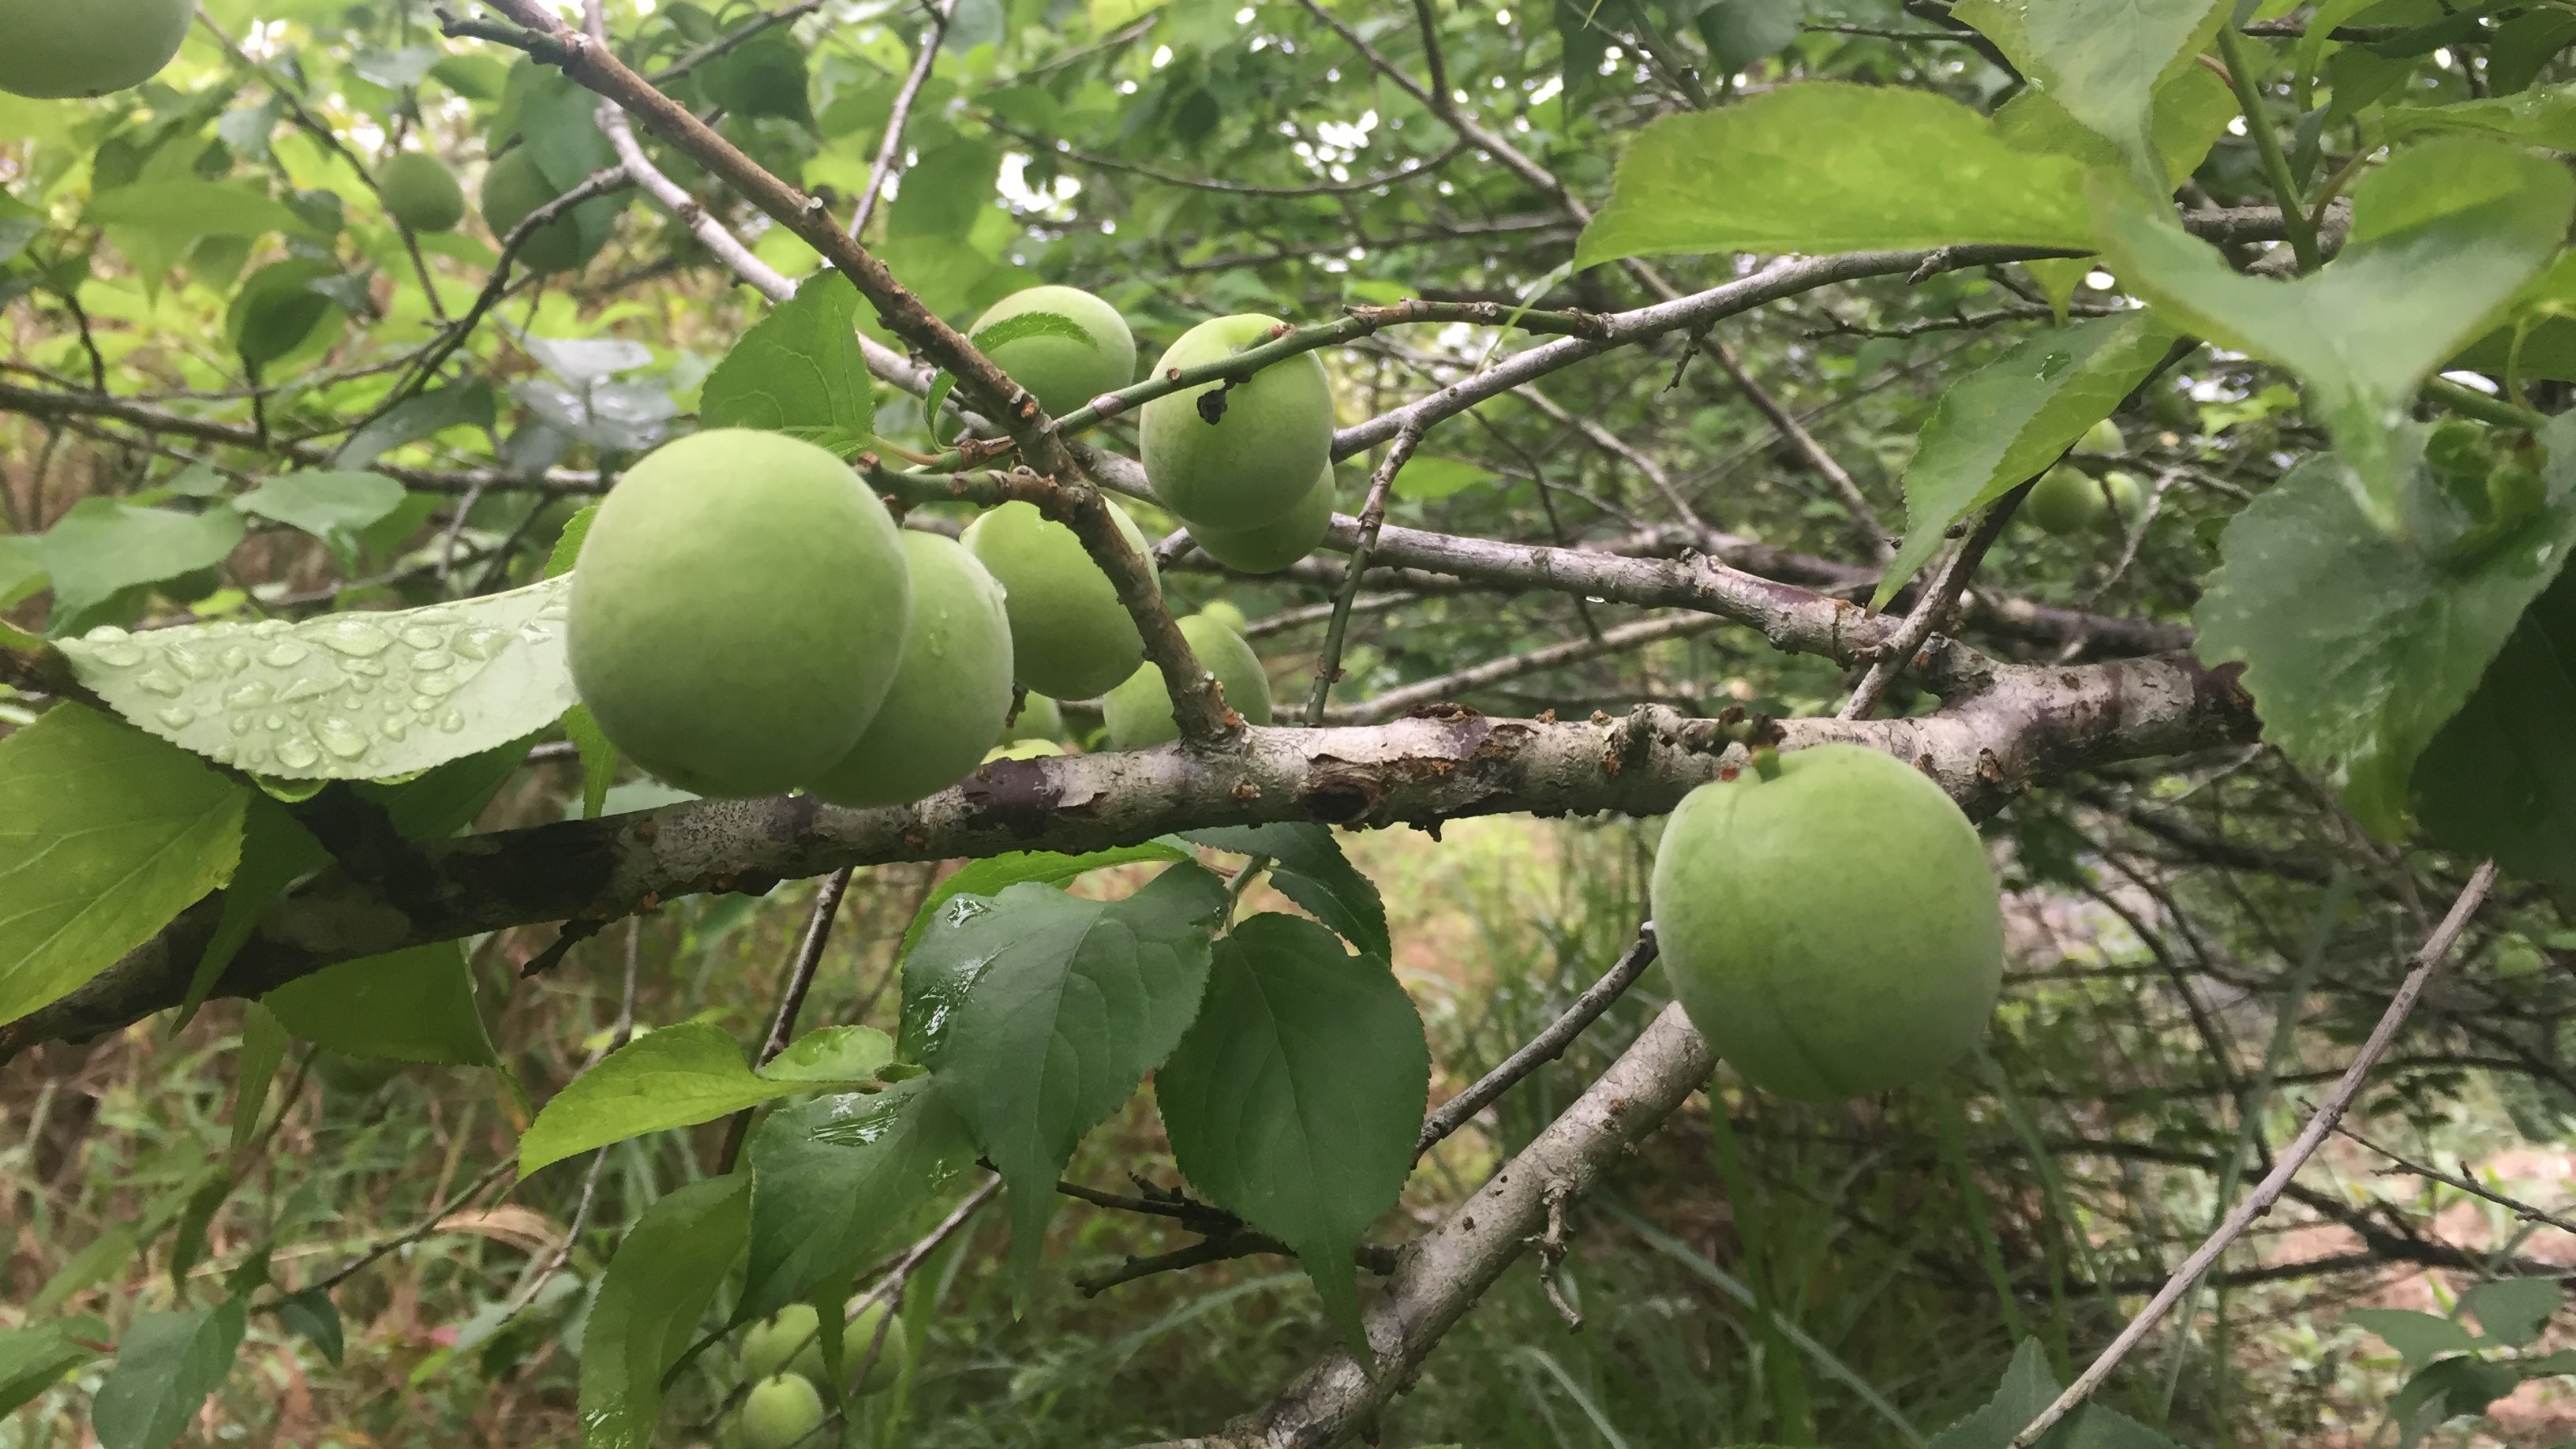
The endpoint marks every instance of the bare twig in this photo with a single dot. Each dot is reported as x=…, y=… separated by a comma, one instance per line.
x=1543, y=1048
x=1938, y=598
x=890, y=150
x=1617, y=640
x=1372, y=519
x=2520, y=1209
x=791, y=1001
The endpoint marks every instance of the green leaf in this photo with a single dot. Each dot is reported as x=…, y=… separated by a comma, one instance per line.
x=567, y=549
x=598, y=759
x=106, y=1254
x=264, y=1042
x=2193, y=109
x=1740, y=32
x=835, y=1177
x=994, y=873
x=2103, y=61
x=278, y=308
x=276, y=851
x=2001, y=425
x=413, y=1005
x=343, y=696
x=188, y=207
x=2417, y=1337
x=655, y=1291
x=1428, y=478
x=680, y=1076
x=1822, y=166
x=945, y=192
x=2537, y=118
x=22, y=567
x=2448, y=1388
x=313, y=1317
x=1109, y=15
x=466, y=405
x=2442, y=238
x=1034, y=324
x=798, y=370
x=166, y=1365
x=2027, y=1388
x=105, y=835
x=102, y=547
x=1039, y=1013
x=2500, y=778
x=1308, y=867
x=2357, y=647
x=33, y=1360
x=1295, y=1100
x=2513, y=1311
x=331, y=506
x=763, y=76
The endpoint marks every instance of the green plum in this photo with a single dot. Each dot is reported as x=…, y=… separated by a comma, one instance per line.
x=1278, y=544
x=1257, y=458
x=950, y=694
x=421, y=193
x=51, y=50
x=512, y=191
x=2065, y=501
x=1062, y=373
x=1139, y=711
x=1070, y=637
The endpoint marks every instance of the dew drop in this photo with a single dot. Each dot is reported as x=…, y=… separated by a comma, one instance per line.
x=115, y=653
x=234, y=659
x=306, y=689
x=191, y=662
x=249, y=694
x=239, y=724
x=298, y=754
x=340, y=737
x=481, y=643
x=420, y=638
x=423, y=705
x=255, y=756
x=162, y=683
x=371, y=668
x=395, y=729
x=437, y=685
x=355, y=637
x=283, y=653
x=432, y=659
x=452, y=722
x=436, y=616
x=274, y=721
x=105, y=634
x=267, y=627
x=176, y=717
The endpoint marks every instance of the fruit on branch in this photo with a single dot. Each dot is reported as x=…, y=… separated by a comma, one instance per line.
x=1139, y=711
x=739, y=612
x=1830, y=922
x=790, y=1342
x=421, y=193
x=1070, y=637
x=1237, y=457
x=1279, y=543
x=54, y=49
x=893, y=1356
x=2104, y=440
x=1062, y=373
x=2125, y=496
x=512, y=191
x=1040, y=718
x=2066, y=501
x=780, y=1411
x=951, y=692
x=1224, y=612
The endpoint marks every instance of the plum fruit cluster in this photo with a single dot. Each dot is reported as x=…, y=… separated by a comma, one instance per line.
x=782, y=1359
x=2069, y=502
x=1247, y=464
x=1830, y=923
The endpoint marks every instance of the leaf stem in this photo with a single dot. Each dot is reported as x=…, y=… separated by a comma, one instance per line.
x=2267, y=143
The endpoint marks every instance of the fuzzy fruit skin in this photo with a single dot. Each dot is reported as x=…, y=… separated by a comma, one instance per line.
x=1259, y=460
x=739, y=612
x=1278, y=544
x=2104, y=440
x=2065, y=502
x=780, y=1411
x=51, y=50
x=421, y=193
x=1070, y=637
x=513, y=189
x=1833, y=932
x=1063, y=374
x=1040, y=718
x=1139, y=711
x=950, y=694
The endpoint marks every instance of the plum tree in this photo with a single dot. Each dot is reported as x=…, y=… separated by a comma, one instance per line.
x=1040, y=718
x=950, y=694
x=780, y=1411
x=1070, y=637
x=1239, y=458
x=1064, y=374
x=1139, y=710
x=2065, y=501
x=1829, y=921
x=513, y=189
x=421, y=193
x=1278, y=544
x=738, y=612
x=51, y=50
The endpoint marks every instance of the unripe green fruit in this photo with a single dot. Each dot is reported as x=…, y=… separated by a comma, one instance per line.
x=2173, y=407
x=2125, y=495
x=1279, y=543
x=1224, y=612
x=1040, y=718
x=776, y=1344
x=1070, y=637
x=1139, y=711
x=513, y=189
x=421, y=193
x=893, y=1356
x=1259, y=459
x=950, y=694
x=2065, y=501
x=739, y=612
x=52, y=49
x=1833, y=930
x=780, y=1411
x=1023, y=750
x=1065, y=375
x=2104, y=440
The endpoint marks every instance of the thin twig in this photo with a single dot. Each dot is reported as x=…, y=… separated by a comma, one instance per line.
x=2471, y=1186
x=1937, y=599
x=791, y=1001
x=1372, y=518
x=2436, y=950
x=890, y=150
x=1545, y=1047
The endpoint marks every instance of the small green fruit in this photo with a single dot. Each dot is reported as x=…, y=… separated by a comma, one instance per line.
x=950, y=694
x=1065, y=375
x=513, y=189
x=421, y=193
x=1070, y=637
x=2065, y=501
x=1259, y=458
x=1279, y=543
x=781, y=1342
x=1040, y=718
x=739, y=612
x=893, y=1356
x=1224, y=612
x=2125, y=495
x=54, y=49
x=1833, y=930
x=2104, y=441
x=780, y=1411
x=1140, y=710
